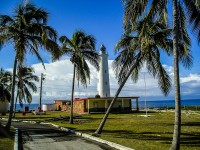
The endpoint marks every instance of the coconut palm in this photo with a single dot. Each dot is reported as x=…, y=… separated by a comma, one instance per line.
x=5, y=85
x=25, y=83
x=81, y=49
x=134, y=9
x=27, y=30
x=141, y=46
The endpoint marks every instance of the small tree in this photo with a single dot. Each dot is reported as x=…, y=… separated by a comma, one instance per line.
x=25, y=83
x=80, y=48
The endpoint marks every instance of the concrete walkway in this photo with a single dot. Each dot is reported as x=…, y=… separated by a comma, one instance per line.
x=46, y=137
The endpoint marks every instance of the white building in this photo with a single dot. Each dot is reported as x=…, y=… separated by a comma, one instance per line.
x=104, y=84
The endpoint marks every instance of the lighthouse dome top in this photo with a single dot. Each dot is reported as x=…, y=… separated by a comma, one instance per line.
x=103, y=49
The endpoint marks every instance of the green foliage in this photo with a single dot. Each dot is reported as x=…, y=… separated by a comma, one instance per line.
x=5, y=85
x=141, y=46
x=80, y=48
x=26, y=82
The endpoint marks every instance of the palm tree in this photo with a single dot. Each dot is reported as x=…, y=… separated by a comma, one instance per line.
x=26, y=82
x=134, y=51
x=27, y=30
x=151, y=35
x=134, y=9
x=5, y=85
x=81, y=48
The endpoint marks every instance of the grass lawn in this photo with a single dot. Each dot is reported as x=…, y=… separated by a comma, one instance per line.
x=139, y=132
x=6, y=140
x=133, y=130
x=30, y=117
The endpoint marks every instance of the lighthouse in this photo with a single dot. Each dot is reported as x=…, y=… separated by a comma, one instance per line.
x=104, y=84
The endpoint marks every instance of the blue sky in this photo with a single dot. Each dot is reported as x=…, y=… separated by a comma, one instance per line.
x=103, y=19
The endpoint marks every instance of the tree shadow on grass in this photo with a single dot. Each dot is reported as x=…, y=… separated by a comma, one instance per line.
x=192, y=139
x=191, y=124
x=188, y=139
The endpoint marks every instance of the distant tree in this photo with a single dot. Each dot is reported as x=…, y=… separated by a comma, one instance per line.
x=25, y=82
x=80, y=48
x=97, y=96
x=27, y=30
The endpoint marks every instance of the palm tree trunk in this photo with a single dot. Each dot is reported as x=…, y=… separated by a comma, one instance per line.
x=15, y=105
x=100, y=128
x=12, y=96
x=177, y=122
x=72, y=98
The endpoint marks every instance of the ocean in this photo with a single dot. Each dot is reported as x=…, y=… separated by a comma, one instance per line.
x=166, y=103
x=150, y=104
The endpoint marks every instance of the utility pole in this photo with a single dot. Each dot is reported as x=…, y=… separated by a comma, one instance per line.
x=42, y=78
x=145, y=86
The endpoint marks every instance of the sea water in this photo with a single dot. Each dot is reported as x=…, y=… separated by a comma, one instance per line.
x=166, y=103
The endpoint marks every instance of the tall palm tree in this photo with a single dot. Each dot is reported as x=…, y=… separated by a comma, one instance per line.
x=80, y=48
x=141, y=45
x=134, y=51
x=27, y=30
x=5, y=85
x=25, y=83
x=134, y=9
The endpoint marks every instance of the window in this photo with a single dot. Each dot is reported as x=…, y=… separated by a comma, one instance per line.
x=105, y=71
x=105, y=83
x=95, y=104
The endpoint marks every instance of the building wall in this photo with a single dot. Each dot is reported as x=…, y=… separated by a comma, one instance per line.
x=64, y=106
x=100, y=105
x=79, y=107
x=127, y=103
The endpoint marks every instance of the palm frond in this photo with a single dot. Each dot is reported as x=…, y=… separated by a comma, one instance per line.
x=80, y=48
x=133, y=10
x=193, y=12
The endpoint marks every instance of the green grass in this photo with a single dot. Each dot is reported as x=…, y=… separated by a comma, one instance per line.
x=29, y=116
x=138, y=132
x=6, y=140
x=133, y=130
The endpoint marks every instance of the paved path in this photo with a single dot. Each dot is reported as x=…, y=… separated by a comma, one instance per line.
x=46, y=137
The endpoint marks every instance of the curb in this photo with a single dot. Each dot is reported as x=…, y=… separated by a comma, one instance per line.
x=84, y=135
x=111, y=144
x=16, y=140
x=16, y=146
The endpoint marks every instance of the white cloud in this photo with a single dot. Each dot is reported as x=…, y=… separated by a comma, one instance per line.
x=191, y=77
x=58, y=82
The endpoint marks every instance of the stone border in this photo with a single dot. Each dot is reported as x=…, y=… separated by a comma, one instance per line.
x=111, y=144
x=16, y=143
x=84, y=135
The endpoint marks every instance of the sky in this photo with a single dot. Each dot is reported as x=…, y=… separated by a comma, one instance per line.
x=104, y=20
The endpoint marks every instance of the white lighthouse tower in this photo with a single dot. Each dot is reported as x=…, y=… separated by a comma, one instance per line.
x=104, y=84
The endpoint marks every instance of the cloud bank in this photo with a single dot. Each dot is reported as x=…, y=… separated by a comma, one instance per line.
x=58, y=82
